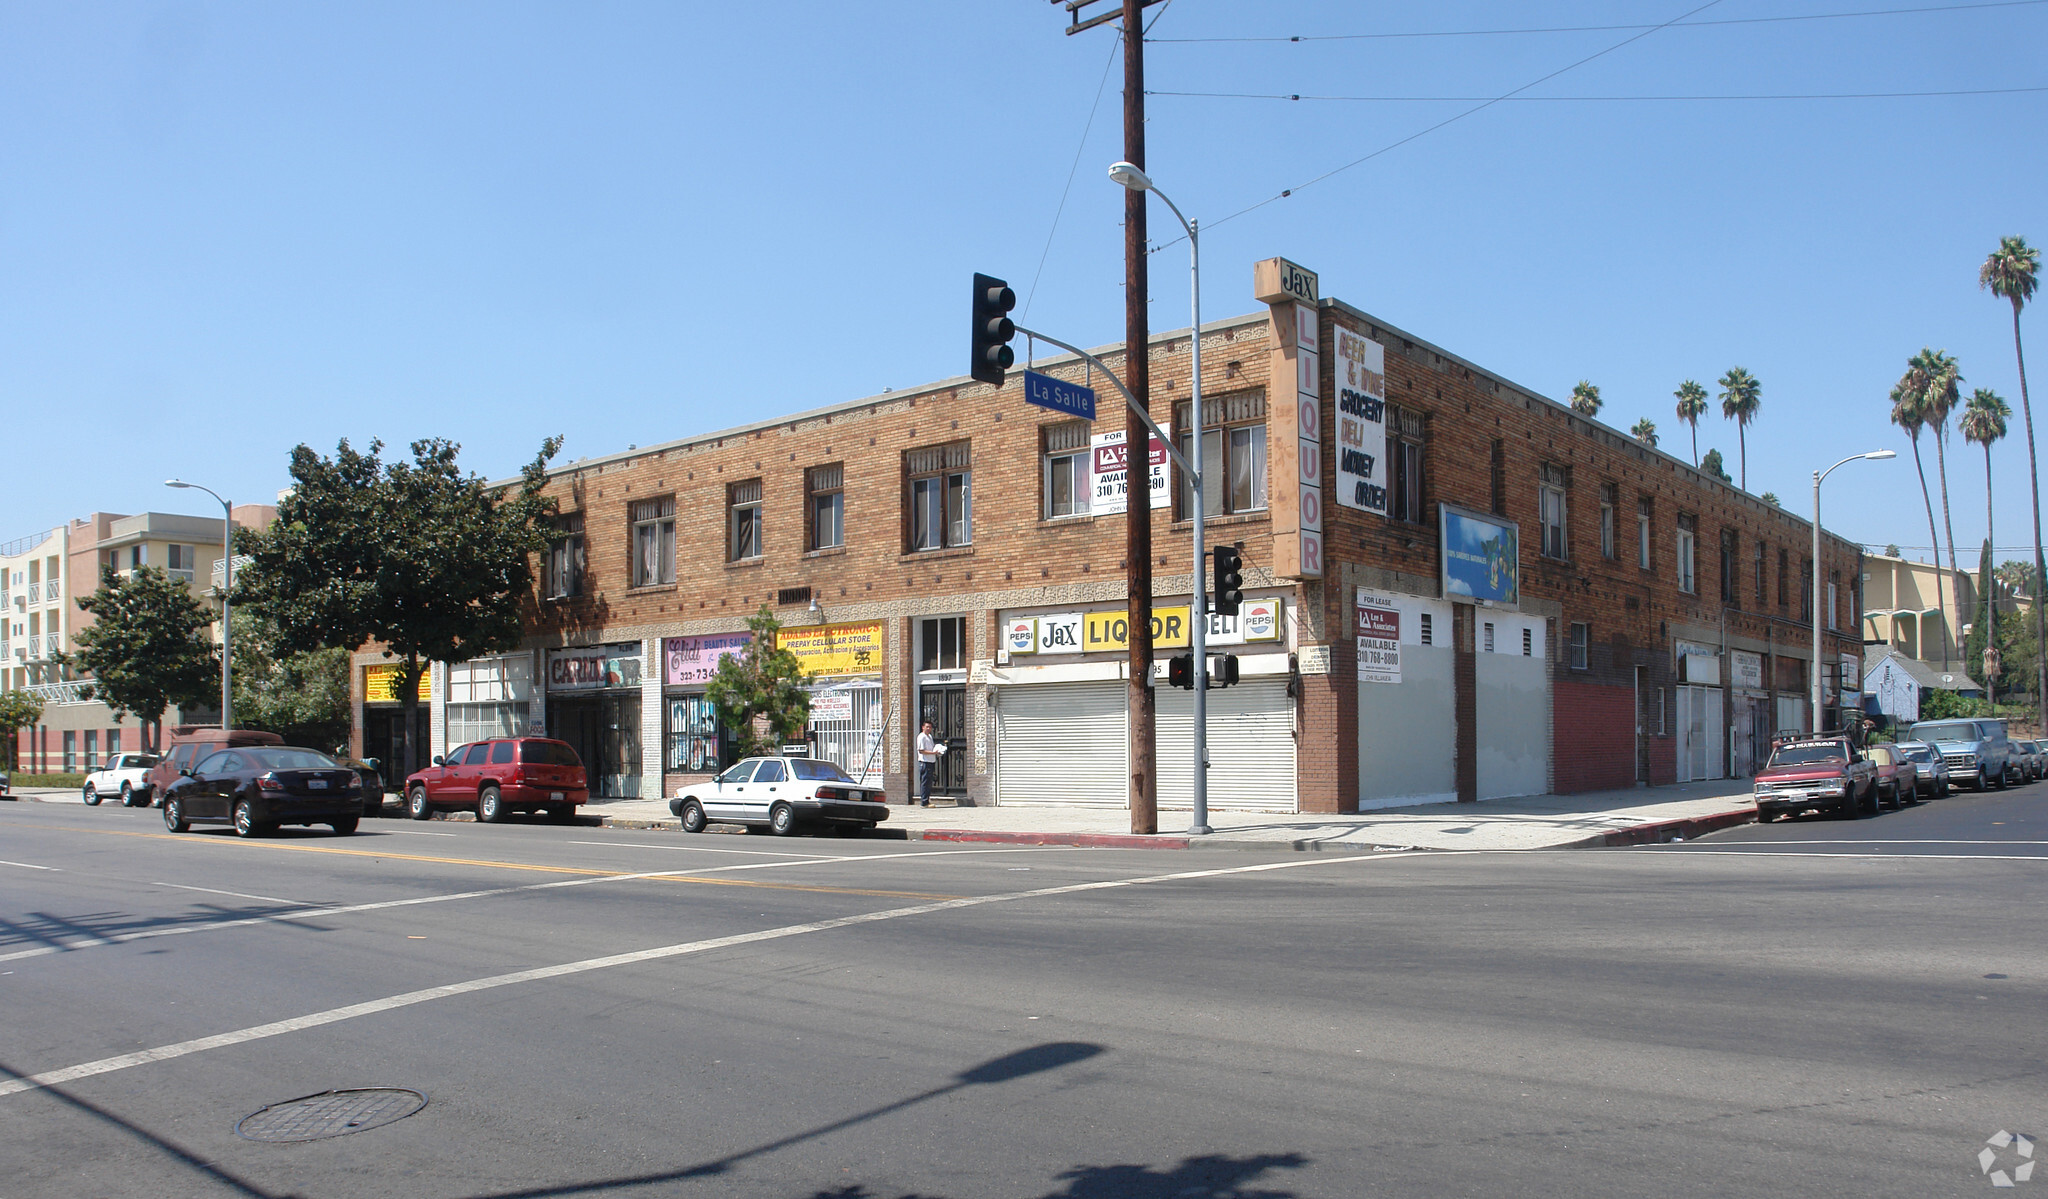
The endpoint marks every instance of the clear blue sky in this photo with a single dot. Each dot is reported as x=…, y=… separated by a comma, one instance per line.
x=226, y=228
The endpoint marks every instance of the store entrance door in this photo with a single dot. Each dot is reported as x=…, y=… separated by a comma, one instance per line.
x=384, y=740
x=946, y=708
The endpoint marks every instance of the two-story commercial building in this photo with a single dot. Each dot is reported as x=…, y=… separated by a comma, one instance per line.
x=1457, y=588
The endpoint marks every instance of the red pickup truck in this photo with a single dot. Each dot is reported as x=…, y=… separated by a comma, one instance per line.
x=1826, y=773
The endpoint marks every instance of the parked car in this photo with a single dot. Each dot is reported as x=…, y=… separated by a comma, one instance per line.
x=370, y=770
x=257, y=788
x=1898, y=779
x=493, y=778
x=1826, y=773
x=6, y=787
x=2030, y=757
x=1932, y=771
x=189, y=743
x=126, y=775
x=1977, y=751
x=780, y=794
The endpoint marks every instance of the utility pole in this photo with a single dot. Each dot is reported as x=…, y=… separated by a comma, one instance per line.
x=1144, y=777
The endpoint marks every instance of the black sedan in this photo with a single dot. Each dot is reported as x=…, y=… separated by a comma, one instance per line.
x=260, y=787
x=371, y=772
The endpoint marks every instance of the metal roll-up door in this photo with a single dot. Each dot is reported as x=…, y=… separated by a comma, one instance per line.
x=1251, y=747
x=1064, y=744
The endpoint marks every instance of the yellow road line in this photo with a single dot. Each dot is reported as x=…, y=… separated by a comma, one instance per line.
x=187, y=839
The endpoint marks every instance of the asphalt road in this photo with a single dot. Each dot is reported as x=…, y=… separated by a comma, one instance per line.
x=1811, y=1008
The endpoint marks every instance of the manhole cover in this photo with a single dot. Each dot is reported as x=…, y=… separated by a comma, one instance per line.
x=330, y=1114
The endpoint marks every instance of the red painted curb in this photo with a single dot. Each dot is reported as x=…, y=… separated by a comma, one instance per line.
x=1087, y=840
x=1668, y=830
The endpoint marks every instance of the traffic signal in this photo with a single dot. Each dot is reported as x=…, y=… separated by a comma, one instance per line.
x=992, y=330
x=1180, y=671
x=1222, y=670
x=1229, y=587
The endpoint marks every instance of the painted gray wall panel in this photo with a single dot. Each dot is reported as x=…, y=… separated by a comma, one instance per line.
x=1407, y=744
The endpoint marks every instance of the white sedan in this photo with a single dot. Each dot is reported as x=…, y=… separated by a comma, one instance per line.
x=126, y=775
x=780, y=794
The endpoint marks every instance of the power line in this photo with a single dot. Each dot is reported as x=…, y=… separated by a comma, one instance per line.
x=1114, y=44
x=1681, y=24
x=1421, y=133
x=1988, y=91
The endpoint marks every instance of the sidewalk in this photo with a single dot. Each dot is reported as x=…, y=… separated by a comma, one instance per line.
x=1637, y=815
x=1633, y=816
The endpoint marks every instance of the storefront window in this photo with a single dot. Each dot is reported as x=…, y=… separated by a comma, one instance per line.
x=695, y=743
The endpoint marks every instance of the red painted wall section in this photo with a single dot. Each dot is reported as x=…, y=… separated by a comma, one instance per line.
x=1595, y=731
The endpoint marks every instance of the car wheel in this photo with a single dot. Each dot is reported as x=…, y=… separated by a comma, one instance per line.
x=174, y=815
x=346, y=826
x=490, y=806
x=782, y=820
x=92, y=796
x=693, y=816
x=127, y=795
x=245, y=820
x=416, y=805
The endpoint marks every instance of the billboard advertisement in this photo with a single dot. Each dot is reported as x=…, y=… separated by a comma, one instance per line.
x=1482, y=557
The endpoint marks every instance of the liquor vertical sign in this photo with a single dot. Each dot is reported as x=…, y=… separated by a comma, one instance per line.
x=1308, y=429
x=1361, y=422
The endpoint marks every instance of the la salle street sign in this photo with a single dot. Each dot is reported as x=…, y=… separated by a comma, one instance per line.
x=1059, y=395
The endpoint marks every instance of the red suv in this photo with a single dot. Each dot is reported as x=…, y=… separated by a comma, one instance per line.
x=518, y=774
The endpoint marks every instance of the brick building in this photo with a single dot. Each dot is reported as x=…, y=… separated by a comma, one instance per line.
x=1456, y=588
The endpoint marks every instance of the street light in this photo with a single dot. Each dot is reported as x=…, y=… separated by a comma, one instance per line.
x=1131, y=176
x=227, y=585
x=1875, y=456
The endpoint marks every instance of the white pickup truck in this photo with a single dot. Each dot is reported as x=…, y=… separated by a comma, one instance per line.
x=126, y=775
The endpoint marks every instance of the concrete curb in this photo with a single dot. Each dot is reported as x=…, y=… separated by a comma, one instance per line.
x=1661, y=831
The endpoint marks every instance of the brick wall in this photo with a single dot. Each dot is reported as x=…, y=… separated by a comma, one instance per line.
x=1595, y=740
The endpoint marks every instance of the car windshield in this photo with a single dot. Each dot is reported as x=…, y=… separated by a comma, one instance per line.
x=1958, y=731
x=547, y=753
x=1918, y=754
x=814, y=770
x=290, y=759
x=1807, y=755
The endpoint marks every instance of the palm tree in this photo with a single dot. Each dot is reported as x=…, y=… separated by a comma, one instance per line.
x=1692, y=405
x=1586, y=398
x=2010, y=273
x=1645, y=432
x=1941, y=391
x=1741, y=395
x=1909, y=413
x=1983, y=423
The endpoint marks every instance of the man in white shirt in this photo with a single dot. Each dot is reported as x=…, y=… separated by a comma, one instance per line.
x=928, y=751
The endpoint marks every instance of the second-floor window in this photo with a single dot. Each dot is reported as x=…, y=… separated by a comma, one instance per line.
x=182, y=562
x=743, y=502
x=1834, y=600
x=562, y=572
x=1404, y=447
x=1069, y=470
x=825, y=488
x=1551, y=514
x=1645, y=518
x=654, y=541
x=1762, y=562
x=1688, y=553
x=1607, y=502
x=1233, y=454
x=1784, y=569
x=1731, y=567
x=941, y=486
x=1806, y=589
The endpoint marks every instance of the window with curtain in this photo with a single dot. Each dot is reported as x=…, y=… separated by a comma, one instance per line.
x=1233, y=454
x=941, y=496
x=1067, y=468
x=654, y=541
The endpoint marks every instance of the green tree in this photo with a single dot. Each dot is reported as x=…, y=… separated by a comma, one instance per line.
x=2017, y=577
x=148, y=645
x=1741, y=396
x=763, y=680
x=2011, y=272
x=1711, y=464
x=1891, y=551
x=431, y=563
x=19, y=709
x=1909, y=412
x=1645, y=431
x=302, y=697
x=1585, y=398
x=1692, y=405
x=1771, y=498
x=1984, y=421
x=1983, y=634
